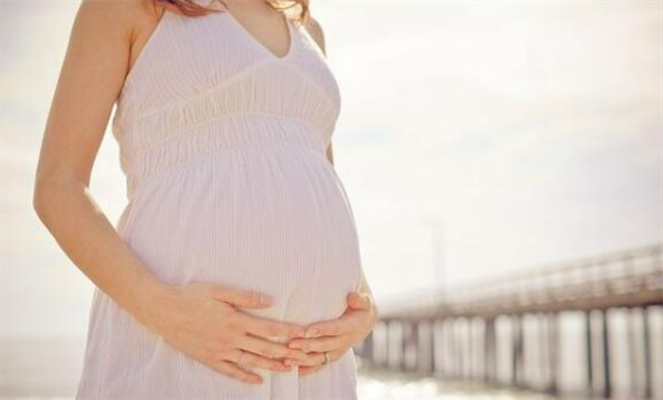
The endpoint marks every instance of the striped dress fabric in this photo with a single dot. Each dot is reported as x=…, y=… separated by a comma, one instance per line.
x=223, y=146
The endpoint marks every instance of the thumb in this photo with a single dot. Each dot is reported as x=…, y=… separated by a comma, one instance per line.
x=240, y=297
x=359, y=301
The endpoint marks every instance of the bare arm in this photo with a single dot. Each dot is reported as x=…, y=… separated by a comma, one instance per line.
x=198, y=319
x=87, y=88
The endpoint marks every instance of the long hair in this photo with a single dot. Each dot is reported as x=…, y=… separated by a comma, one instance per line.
x=191, y=8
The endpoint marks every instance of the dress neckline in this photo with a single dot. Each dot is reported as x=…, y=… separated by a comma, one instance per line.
x=258, y=44
x=149, y=45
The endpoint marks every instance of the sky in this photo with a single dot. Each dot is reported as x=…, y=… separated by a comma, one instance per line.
x=475, y=138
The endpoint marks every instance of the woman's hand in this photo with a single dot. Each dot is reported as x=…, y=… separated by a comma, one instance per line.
x=336, y=336
x=201, y=320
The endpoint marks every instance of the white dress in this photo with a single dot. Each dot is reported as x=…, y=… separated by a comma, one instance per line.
x=223, y=146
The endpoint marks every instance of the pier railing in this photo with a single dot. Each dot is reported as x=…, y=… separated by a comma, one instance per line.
x=627, y=278
x=454, y=332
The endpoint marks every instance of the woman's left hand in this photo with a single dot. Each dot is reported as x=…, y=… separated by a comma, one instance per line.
x=336, y=336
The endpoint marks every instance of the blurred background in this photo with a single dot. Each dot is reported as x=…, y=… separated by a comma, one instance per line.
x=504, y=162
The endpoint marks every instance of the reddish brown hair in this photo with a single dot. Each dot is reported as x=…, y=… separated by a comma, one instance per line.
x=191, y=8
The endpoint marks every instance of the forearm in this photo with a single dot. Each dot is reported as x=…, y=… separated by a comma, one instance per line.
x=89, y=239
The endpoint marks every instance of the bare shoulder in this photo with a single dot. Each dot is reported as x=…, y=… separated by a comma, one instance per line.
x=131, y=18
x=116, y=15
x=118, y=27
x=315, y=30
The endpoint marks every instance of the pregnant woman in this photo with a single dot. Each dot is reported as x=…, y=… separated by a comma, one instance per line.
x=234, y=270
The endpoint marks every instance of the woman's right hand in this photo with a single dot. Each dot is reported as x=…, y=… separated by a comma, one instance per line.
x=202, y=321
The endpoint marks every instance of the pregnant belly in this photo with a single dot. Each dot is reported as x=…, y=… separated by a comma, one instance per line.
x=271, y=218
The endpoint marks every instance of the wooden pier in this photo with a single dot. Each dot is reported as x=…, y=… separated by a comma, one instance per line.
x=459, y=333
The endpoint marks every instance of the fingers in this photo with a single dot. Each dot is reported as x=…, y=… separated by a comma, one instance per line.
x=248, y=359
x=276, y=331
x=328, y=328
x=319, y=344
x=239, y=297
x=236, y=372
x=269, y=349
x=305, y=370
x=312, y=360
x=317, y=359
x=359, y=301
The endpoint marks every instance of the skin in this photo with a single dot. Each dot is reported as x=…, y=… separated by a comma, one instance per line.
x=206, y=321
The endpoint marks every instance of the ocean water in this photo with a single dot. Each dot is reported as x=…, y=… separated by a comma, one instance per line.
x=49, y=369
